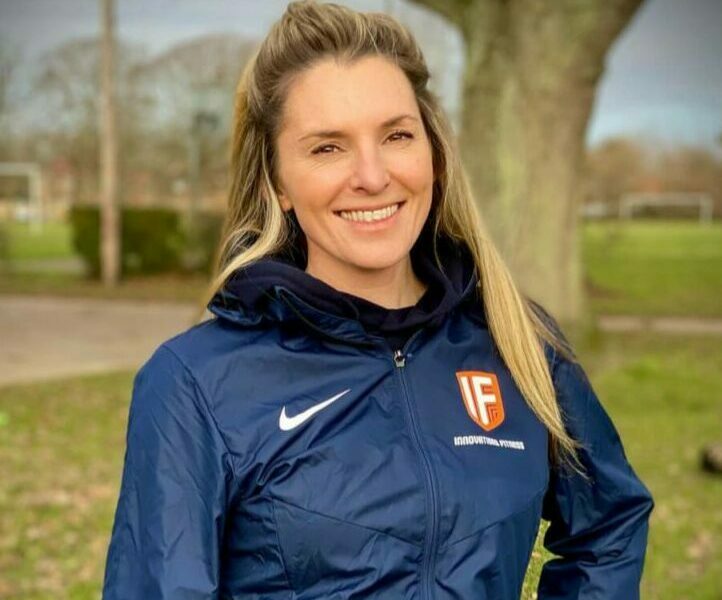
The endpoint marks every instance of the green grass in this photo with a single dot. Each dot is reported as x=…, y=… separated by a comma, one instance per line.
x=667, y=403
x=61, y=449
x=60, y=456
x=52, y=240
x=654, y=268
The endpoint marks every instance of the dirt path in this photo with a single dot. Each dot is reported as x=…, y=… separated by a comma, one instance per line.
x=47, y=337
x=43, y=337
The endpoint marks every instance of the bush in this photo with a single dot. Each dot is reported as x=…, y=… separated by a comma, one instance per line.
x=151, y=238
x=203, y=239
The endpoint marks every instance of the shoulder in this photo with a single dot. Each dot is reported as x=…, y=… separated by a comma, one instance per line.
x=201, y=346
x=558, y=349
x=574, y=391
x=196, y=356
x=208, y=359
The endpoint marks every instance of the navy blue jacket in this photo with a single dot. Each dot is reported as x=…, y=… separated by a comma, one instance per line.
x=284, y=451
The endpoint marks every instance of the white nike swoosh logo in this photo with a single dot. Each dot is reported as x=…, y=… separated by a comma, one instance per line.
x=287, y=423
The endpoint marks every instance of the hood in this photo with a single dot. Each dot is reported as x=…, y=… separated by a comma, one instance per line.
x=277, y=289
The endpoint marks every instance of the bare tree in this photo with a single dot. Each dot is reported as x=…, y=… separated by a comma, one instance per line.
x=615, y=167
x=109, y=213
x=9, y=59
x=208, y=62
x=531, y=70
x=193, y=83
x=156, y=99
x=68, y=88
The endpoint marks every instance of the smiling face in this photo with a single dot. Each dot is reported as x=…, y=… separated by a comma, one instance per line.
x=355, y=164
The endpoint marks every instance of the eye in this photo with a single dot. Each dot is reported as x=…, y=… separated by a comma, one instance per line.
x=324, y=149
x=400, y=135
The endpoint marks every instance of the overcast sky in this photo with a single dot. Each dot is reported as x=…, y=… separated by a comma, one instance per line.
x=663, y=77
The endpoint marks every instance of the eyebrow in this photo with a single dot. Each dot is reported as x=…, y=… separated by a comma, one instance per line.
x=337, y=133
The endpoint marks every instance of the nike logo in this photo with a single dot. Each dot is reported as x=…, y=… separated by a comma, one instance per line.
x=287, y=423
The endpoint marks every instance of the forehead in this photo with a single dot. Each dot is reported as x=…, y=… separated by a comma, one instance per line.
x=367, y=90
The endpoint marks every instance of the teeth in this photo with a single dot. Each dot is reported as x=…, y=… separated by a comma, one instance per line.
x=369, y=216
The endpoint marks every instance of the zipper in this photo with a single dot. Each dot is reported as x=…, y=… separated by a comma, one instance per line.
x=399, y=357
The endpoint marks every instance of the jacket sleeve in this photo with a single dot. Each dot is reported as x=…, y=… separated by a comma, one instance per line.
x=176, y=482
x=598, y=526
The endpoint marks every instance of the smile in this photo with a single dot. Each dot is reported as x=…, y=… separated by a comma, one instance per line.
x=370, y=216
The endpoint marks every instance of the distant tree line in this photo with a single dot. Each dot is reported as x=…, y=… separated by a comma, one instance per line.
x=622, y=165
x=158, y=98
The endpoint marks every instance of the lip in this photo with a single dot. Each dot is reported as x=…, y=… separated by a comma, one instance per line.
x=382, y=224
x=369, y=208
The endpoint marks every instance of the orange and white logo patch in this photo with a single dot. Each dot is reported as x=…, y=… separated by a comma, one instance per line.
x=482, y=398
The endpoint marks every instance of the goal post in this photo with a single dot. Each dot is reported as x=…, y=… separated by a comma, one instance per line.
x=33, y=173
x=631, y=203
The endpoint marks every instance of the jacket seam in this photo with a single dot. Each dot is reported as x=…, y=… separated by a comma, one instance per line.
x=627, y=541
x=280, y=548
x=524, y=508
x=204, y=399
x=325, y=516
x=560, y=377
x=605, y=552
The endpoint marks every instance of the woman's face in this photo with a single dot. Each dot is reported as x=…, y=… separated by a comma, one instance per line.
x=355, y=164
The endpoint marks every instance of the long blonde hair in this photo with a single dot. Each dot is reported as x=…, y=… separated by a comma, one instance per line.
x=255, y=225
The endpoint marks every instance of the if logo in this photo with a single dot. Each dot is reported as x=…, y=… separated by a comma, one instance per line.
x=482, y=398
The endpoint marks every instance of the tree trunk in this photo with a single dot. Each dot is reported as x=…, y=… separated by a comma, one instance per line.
x=109, y=213
x=531, y=71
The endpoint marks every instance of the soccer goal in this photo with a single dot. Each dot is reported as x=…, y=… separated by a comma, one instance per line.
x=30, y=208
x=631, y=204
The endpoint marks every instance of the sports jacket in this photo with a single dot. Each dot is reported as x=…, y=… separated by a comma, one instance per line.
x=281, y=451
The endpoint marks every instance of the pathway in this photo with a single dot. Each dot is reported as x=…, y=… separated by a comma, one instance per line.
x=47, y=337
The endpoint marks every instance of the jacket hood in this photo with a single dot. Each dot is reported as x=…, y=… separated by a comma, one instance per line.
x=277, y=289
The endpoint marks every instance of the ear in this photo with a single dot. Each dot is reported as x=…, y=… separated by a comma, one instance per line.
x=283, y=200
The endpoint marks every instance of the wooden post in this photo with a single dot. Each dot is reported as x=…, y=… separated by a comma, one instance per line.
x=109, y=213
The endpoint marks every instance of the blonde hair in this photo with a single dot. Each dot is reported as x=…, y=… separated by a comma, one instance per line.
x=256, y=226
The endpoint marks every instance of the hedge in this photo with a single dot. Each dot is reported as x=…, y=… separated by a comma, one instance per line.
x=153, y=240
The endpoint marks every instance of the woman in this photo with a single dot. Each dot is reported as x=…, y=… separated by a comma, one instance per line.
x=374, y=411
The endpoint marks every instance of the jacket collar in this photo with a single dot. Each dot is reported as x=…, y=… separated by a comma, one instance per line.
x=276, y=289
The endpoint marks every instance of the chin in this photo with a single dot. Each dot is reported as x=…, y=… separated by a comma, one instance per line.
x=377, y=259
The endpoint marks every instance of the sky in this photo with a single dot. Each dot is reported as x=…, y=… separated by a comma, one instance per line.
x=663, y=77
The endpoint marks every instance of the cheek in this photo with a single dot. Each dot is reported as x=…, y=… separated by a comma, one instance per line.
x=417, y=172
x=310, y=187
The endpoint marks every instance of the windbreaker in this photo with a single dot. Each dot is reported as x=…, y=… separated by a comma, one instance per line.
x=281, y=451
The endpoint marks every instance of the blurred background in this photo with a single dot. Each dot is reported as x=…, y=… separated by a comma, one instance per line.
x=592, y=134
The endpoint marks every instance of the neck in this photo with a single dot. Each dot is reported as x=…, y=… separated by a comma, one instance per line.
x=396, y=286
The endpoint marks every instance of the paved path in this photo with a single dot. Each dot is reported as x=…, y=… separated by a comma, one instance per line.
x=678, y=325
x=72, y=265
x=47, y=337
x=44, y=337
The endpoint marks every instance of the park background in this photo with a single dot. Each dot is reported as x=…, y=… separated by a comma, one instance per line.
x=647, y=199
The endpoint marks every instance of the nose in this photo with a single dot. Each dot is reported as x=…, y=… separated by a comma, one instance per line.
x=370, y=173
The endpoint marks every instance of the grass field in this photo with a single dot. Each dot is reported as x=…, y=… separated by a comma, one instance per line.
x=642, y=268
x=50, y=241
x=61, y=450
x=654, y=268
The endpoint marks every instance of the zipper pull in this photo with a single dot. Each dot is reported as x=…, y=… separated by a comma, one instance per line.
x=399, y=359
